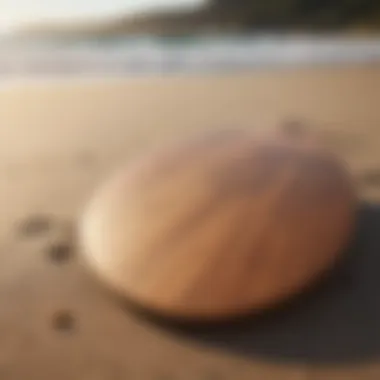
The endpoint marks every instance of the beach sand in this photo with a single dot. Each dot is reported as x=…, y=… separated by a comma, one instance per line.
x=60, y=139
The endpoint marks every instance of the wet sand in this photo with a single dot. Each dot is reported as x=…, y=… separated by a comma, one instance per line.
x=58, y=140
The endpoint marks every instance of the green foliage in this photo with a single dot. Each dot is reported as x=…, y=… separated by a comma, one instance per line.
x=299, y=13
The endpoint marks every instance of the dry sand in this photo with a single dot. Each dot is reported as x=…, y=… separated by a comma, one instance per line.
x=59, y=139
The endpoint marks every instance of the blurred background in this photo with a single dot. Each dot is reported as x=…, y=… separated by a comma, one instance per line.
x=87, y=84
x=138, y=36
x=126, y=72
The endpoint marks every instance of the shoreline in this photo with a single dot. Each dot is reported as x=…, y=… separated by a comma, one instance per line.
x=94, y=78
x=141, y=58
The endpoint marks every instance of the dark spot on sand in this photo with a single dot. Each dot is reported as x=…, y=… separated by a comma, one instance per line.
x=60, y=253
x=63, y=321
x=294, y=129
x=371, y=177
x=35, y=225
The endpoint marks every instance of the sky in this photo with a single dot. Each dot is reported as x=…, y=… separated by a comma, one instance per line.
x=16, y=13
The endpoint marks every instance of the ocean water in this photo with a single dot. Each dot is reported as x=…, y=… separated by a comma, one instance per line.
x=144, y=55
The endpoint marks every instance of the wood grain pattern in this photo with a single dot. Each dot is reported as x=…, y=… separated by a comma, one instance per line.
x=224, y=223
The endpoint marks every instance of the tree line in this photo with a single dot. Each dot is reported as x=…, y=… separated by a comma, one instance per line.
x=319, y=14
